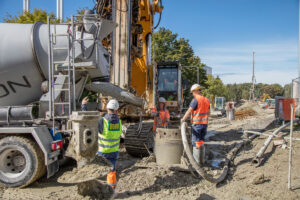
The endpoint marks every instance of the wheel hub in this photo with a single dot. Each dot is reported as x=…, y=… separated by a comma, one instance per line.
x=13, y=161
x=19, y=161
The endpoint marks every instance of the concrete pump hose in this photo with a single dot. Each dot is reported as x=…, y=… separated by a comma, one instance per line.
x=195, y=165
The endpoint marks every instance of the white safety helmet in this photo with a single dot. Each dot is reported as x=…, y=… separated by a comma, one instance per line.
x=113, y=105
x=162, y=100
x=195, y=87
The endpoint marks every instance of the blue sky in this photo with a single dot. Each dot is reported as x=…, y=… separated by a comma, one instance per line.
x=223, y=33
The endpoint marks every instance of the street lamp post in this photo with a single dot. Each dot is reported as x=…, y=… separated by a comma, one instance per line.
x=60, y=10
x=26, y=5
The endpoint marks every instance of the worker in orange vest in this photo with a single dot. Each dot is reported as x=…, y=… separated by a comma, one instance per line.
x=199, y=111
x=161, y=118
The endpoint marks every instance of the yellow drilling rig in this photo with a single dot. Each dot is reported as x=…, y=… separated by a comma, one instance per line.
x=136, y=79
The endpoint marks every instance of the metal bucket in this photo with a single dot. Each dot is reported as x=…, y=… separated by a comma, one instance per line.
x=168, y=146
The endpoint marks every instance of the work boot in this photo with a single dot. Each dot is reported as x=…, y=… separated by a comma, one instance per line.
x=202, y=154
x=196, y=154
x=112, y=179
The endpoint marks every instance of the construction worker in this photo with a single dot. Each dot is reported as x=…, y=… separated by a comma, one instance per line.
x=161, y=118
x=199, y=111
x=110, y=130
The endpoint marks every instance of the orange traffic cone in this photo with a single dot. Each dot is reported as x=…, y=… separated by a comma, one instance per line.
x=112, y=179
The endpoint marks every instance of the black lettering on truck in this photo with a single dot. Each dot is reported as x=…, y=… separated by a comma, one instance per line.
x=4, y=89
x=10, y=84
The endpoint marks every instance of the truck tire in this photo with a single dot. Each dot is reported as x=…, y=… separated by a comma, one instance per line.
x=21, y=161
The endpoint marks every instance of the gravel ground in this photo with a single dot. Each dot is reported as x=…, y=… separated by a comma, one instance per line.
x=244, y=181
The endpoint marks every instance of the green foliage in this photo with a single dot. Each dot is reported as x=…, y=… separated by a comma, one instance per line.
x=166, y=46
x=38, y=15
x=80, y=11
x=215, y=87
x=237, y=92
x=272, y=89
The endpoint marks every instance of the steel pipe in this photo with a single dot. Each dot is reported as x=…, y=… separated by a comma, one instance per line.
x=16, y=114
x=108, y=89
x=258, y=158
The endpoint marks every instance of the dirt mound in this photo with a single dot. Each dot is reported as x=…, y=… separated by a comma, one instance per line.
x=99, y=167
x=250, y=106
x=95, y=189
x=244, y=113
x=248, y=109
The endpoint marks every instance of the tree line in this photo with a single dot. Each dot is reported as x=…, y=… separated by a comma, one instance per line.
x=236, y=92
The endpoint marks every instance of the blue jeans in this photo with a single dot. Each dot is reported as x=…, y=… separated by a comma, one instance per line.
x=198, y=132
x=112, y=157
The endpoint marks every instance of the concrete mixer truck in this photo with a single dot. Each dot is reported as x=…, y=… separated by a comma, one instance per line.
x=43, y=71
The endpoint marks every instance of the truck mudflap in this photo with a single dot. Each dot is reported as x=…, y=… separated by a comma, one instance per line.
x=44, y=139
x=53, y=164
x=52, y=169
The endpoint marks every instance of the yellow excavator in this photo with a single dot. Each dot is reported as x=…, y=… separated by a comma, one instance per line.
x=137, y=79
x=265, y=97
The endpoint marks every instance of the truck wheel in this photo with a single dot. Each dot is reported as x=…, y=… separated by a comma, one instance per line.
x=21, y=161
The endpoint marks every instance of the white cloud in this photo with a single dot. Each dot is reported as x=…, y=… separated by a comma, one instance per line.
x=275, y=62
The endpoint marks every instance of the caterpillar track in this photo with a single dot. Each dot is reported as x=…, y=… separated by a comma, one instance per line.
x=138, y=143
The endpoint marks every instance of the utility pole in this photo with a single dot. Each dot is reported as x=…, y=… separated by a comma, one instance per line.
x=26, y=6
x=253, y=78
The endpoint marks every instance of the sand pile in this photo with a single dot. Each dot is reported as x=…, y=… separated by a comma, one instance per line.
x=87, y=179
x=250, y=106
x=95, y=189
x=248, y=109
x=99, y=167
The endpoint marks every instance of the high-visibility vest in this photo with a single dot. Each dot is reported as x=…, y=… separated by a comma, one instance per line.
x=200, y=115
x=109, y=140
x=162, y=119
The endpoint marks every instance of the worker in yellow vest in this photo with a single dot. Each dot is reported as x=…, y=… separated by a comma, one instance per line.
x=110, y=130
x=199, y=111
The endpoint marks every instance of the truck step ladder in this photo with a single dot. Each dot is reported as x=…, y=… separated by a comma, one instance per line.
x=62, y=95
x=62, y=72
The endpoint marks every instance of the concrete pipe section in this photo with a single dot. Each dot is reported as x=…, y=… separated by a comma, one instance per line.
x=168, y=146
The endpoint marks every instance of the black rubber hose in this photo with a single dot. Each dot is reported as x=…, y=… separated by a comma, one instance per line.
x=159, y=19
x=195, y=165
